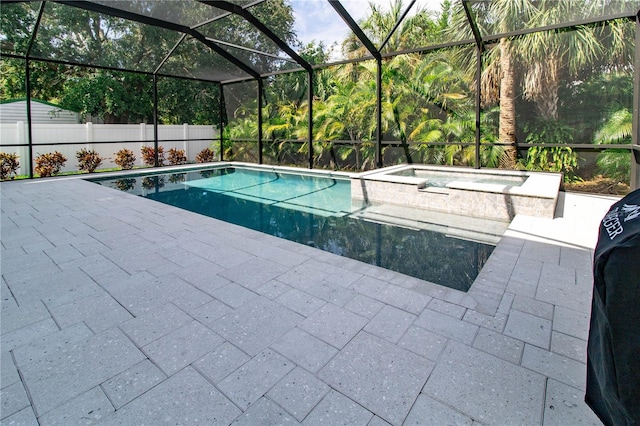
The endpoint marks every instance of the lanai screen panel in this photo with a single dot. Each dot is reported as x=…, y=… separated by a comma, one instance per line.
x=187, y=13
x=17, y=21
x=285, y=119
x=317, y=22
x=398, y=26
x=183, y=101
x=241, y=132
x=499, y=17
x=12, y=139
x=279, y=17
x=262, y=63
x=237, y=36
x=344, y=115
x=189, y=114
x=565, y=96
x=193, y=59
x=79, y=36
x=433, y=103
x=585, y=100
x=312, y=28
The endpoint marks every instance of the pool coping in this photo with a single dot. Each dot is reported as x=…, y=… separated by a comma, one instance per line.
x=219, y=164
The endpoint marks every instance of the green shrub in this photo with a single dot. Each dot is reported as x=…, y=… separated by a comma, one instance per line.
x=558, y=158
x=615, y=164
x=618, y=129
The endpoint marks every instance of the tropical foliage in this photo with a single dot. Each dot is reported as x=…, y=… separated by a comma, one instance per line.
x=615, y=163
x=533, y=90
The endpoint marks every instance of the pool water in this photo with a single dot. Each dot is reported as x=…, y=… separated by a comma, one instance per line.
x=318, y=195
x=316, y=211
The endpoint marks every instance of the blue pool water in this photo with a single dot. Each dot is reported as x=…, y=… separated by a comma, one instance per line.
x=318, y=195
x=312, y=210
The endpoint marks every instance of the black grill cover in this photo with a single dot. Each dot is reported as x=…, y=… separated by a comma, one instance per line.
x=613, y=352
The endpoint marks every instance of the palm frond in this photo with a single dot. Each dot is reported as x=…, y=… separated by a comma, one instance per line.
x=617, y=128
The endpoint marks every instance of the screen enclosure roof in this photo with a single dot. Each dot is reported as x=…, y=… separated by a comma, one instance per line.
x=236, y=40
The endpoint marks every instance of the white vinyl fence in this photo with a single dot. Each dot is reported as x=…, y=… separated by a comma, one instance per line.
x=192, y=139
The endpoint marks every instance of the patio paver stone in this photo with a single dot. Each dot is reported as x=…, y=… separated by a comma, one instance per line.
x=117, y=309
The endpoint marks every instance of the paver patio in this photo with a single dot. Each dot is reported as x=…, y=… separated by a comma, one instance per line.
x=120, y=310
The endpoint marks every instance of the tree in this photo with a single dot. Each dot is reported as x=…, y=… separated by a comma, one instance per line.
x=81, y=36
x=499, y=76
x=417, y=29
x=116, y=97
x=17, y=21
x=535, y=64
x=12, y=78
x=47, y=79
x=187, y=101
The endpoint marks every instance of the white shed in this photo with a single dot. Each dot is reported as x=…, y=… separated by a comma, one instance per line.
x=42, y=112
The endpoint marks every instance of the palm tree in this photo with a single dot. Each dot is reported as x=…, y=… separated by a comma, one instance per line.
x=285, y=121
x=350, y=109
x=538, y=61
x=416, y=89
x=417, y=29
x=243, y=127
x=499, y=75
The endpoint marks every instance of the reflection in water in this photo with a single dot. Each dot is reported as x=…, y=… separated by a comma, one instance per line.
x=153, y=182
x=125, y=184
x=177, y=177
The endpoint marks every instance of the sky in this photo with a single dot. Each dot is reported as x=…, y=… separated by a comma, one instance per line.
x=317, y=20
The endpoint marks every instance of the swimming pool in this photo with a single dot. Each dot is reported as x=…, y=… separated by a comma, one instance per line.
x=319, y=211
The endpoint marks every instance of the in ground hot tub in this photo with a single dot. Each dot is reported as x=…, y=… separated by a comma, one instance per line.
x=492, y=194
